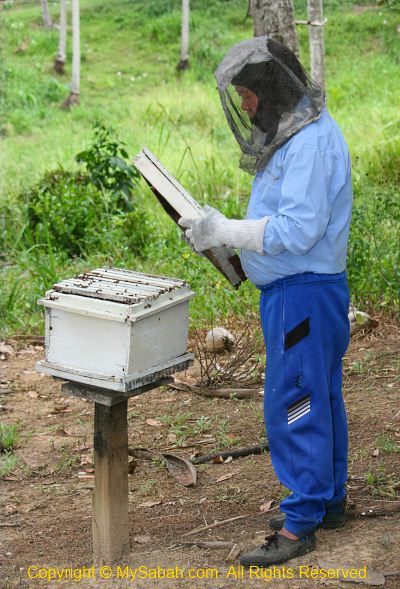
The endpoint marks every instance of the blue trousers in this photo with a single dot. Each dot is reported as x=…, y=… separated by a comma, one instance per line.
x=306, y=330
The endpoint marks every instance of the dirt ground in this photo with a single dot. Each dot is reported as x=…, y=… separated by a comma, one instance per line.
x=45, y=502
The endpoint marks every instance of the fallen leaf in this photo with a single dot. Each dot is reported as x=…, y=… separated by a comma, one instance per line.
x=225, y=477
x=375, y=452
x=154, y=422
x=181, y=469
x=10, y=509
x=142, y=539
x=33, y=394
x=266, y=506
x=229, y=459
x=149, y=504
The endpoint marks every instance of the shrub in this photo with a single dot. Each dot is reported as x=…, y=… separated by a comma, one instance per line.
x=374, y=246
x=90, y=210
x=106, y=166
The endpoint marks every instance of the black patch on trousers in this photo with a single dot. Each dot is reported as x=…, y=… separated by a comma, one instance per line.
x=295, y=335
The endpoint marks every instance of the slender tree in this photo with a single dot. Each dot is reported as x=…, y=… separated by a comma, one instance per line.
x=46, y=15
x=184, y=61
x=59, y=62
x=275, y=18
x=73, y=98
x=316, y=35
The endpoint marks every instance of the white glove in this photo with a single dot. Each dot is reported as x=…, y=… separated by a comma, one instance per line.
x=215, y=230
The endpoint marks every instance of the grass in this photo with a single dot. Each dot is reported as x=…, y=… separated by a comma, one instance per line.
x=129, y=81
x=146, y=488
x=67, y=461
x=8, y=462
x=8, y=437
x=382, y=484
x=387, y=444
x=8, y=441
x=184, y=427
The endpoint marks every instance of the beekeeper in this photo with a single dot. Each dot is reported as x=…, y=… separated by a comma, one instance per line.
x=293, y=245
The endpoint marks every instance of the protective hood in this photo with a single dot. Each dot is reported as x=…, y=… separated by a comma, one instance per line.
x=287, y=98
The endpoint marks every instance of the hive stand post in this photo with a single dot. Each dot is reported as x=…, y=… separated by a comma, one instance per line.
x=110, y=527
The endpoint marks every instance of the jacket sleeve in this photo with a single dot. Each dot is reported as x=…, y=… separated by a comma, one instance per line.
x=304, y=208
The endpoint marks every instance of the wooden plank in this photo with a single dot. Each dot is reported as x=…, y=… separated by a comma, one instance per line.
x=126, y=384
x=107, y=397
x=110, y=528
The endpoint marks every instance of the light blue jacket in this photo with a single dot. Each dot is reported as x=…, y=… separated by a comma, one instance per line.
x=306, y=190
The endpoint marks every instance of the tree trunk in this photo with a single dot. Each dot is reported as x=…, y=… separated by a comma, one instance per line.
x=275, y=18
x=73, y=98
x=316, y=34
x=46, y=15
x=184, y=62
x=59, y=63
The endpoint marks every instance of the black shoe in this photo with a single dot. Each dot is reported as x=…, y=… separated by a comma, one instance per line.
x=277, y=550
x=331, y=521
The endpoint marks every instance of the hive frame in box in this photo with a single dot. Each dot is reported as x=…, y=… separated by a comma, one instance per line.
x=116, y=329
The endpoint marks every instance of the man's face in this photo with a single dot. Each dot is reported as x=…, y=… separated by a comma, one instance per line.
x=249, y=101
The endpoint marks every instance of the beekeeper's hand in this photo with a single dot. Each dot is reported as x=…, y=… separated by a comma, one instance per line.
x=189, y=243
x=215, y=230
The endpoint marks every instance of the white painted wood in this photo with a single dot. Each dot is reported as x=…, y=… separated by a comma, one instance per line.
x=129, y=383
x=166, y=185
x=179, y=203
x=159, y=337
x=87, y=343
x=92, y=339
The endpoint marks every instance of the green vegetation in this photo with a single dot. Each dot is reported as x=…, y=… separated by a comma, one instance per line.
x=146, y=488
x=8, y=437
x=8, y=461
x=184, y=427
x=8, y=440
x=387, y=444
x=382, y=484
x=70, y=201
x=67, y=460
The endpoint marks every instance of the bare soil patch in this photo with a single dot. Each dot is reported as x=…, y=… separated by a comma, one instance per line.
x=45, y=502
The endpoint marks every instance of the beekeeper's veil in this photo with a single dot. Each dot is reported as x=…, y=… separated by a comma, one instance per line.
x=287, y=98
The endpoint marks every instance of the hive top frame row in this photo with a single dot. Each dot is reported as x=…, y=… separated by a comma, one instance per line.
x=116, y=293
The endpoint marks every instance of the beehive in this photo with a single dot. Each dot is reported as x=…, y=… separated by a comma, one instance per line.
x=116, y=329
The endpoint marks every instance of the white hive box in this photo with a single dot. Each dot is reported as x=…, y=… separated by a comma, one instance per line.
x=116, y=329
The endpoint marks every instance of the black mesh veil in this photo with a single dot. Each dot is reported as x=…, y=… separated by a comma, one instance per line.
x=287, y=98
